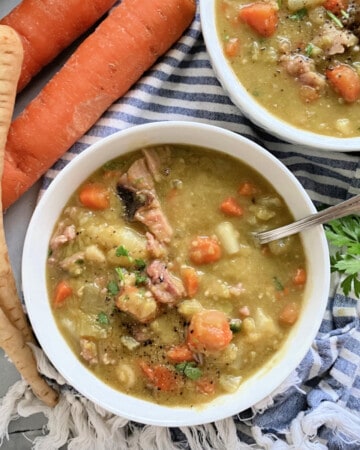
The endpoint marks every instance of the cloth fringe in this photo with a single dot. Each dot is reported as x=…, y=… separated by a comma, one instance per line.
x=292, y=380
x=82, y=425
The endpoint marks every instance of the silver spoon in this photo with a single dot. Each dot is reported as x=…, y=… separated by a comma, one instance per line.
x=333, y=212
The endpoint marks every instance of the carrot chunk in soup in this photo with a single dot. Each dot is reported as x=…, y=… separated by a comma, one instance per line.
x=205, y=250
x=209, y=330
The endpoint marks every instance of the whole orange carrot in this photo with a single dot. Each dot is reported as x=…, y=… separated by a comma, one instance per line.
x=47, y=27
x=101, y=70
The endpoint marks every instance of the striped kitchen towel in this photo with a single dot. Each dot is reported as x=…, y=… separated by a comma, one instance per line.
x=318, y=406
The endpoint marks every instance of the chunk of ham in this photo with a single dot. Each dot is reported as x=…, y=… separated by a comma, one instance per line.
x=156, y=161
x=333, y=40
x=63, y=234
x=155, y=248
x=153, y=217
x=136, y=188
x=138, y=176
x=303, y=70
x=165, y=287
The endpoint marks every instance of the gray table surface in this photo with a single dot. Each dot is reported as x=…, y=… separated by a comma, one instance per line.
x=23, y=430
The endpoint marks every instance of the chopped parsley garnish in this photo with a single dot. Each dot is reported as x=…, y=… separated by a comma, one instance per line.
x=103, y=319
x=309, y=49
x=278, y=285
x=120, y=273
x=140, y=264
x=113, y=287
x=344, y=234
x=299, y=15
x=189, y=369
x=334, y=19
x=121, y=251
x=345, y=14
x=140, y=278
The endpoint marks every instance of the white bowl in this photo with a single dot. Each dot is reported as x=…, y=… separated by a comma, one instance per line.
x=36, y=252
x=246, y=102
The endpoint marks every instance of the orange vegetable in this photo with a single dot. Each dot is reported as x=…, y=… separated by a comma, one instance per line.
x=190, y=279
x=102, y=69
x=231, y=207
x=289, y=314
x=247, y=189
x=231, y=47
x=261, y=17
x=160, y=376
x=209, y=330
x=336, y=6
x=62, y=292
x=179, y=353
x=94, y=196
x=204, y=250
x=205, y=386
x=345, y=81
x=299, y=279
x=47, y=27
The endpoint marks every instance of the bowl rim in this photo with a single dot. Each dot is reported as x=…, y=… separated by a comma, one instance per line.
x=249, y=106
x=36, y=298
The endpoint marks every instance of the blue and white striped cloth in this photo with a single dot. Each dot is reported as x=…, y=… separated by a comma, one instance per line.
x=323, y=409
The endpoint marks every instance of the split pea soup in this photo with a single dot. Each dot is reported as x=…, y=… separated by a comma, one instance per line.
x=299, y=59
x=156, y=283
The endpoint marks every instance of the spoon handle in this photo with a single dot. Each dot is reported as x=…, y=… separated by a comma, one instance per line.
x=352, y=205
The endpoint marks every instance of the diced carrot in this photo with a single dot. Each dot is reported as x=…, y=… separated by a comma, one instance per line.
x=247, y=189
x=209, y=330
x=179, y=353
x=299, y=279
x=205, y=386
x=261, y=17
x=126, y=44
x=94, y=196
x=231, y=207
x=289, y=314
x=205, y=250
x=231, y=47
x=62, y=291
x=190, y=279
x=160, y=376
x=336, y=6
x=345, y=81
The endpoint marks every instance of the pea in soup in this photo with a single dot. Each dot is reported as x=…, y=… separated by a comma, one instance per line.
x=156, y=283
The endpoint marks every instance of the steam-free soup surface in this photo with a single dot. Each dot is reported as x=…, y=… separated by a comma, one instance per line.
x=156, y=283
x=299, y=59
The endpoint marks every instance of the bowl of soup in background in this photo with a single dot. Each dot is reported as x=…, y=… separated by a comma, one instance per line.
x=269, y=73
x=38, y=292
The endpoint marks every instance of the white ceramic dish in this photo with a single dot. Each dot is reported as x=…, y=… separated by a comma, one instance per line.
x=246, y=102
x=36, y=252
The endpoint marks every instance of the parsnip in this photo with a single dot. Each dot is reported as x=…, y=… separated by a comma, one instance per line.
x=10, y=66
x=15, y=331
